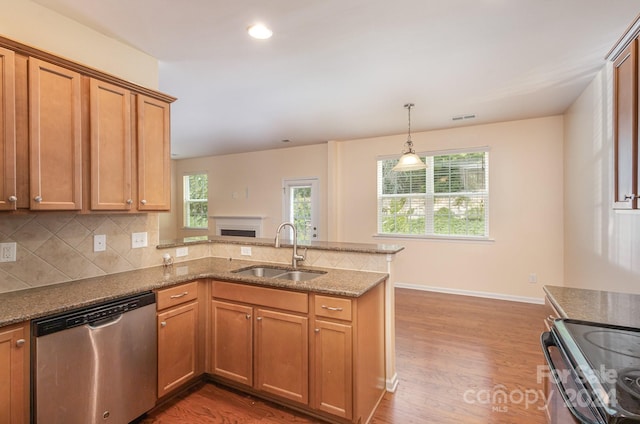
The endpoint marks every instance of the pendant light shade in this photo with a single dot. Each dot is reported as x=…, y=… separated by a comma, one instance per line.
x=409, y=161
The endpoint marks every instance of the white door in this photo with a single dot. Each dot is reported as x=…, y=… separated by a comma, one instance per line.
x=300, y=206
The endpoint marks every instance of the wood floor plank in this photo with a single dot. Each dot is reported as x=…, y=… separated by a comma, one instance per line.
x=460, y=359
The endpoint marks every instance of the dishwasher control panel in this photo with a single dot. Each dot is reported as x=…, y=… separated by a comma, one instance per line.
x=92, y=314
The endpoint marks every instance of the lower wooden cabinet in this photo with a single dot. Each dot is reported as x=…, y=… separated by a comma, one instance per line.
x=179, y=341
x=232, y=341
x=281, y=354
x=14, y=374
x=322, y=354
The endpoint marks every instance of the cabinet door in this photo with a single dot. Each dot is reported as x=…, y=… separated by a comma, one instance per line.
x=55, y=139
x=232, y=341
x=110, y=115
x=154, y=155
x=8, y=199
x=14, y=387
x=332, y=374
x=625, y=127
x=177, y=346
x=282, y=355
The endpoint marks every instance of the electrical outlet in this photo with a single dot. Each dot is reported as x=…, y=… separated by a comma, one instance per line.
x=138, y=240
x=8, y=252
x=533, y=278
x=99, y=243
x=245, y=250
x=182, y=251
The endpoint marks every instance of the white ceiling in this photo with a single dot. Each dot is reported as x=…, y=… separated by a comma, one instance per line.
x=342, y=69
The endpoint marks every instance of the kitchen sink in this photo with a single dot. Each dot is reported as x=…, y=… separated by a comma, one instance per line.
x=281, y=273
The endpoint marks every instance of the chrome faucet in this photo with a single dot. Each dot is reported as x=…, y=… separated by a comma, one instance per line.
x=295, y=258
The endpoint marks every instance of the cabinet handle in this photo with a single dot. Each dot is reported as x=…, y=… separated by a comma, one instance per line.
x=38, y=199
x=248, y=316
x=551, y=319
x=20, y=342
x=13, y=199
x=259, y=319
x=331, y=308
x=163, y=324
x=143, y=201
x=129, y=201
x=317, y=330
x=177, y=296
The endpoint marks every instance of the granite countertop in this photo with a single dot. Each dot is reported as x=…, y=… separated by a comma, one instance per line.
x=314, y=245
x=42, y=301
x=595, y=305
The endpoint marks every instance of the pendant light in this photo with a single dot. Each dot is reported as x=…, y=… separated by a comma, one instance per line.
x=409, y=161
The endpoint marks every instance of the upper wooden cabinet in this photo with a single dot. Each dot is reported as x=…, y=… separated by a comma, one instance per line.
x=55, y=137
x=8, y=194
x=154, y=155
x=75, y=138
x=625, y=119
x=110, y=117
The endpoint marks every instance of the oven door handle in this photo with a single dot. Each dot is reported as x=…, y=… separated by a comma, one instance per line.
x=547, y=340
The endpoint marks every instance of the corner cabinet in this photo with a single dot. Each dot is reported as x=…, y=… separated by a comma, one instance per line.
x=626, y=175
x=14, y=374
x=180, y=346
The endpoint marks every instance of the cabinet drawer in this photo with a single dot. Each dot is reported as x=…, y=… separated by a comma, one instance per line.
x=332, y=307
x=176, y=295
x=274, y=298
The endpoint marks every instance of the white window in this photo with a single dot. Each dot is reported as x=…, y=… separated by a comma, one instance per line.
x=196, y=204
x=450, y=198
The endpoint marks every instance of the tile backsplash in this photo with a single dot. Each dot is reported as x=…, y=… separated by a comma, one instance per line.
x=58, y=246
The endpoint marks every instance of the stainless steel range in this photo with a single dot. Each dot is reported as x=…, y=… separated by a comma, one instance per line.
x=596, y=368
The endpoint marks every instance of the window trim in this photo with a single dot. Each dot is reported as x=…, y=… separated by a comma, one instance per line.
x=436, y=237
x=184, y=201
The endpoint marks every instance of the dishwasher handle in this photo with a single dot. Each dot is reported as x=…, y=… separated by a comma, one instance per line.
x=105, y=322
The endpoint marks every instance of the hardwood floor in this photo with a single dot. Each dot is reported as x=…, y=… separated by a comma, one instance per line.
x=459, y=360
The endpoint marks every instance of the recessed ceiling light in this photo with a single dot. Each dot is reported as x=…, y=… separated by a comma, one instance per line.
x=259, y=31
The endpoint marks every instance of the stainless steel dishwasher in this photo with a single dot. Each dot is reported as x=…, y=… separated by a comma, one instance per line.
x=96, y=365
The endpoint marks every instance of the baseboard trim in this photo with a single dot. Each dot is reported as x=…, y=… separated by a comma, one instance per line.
x=488, y=295
x=392, y=383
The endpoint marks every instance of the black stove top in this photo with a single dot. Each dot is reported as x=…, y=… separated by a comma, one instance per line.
x=608, y=358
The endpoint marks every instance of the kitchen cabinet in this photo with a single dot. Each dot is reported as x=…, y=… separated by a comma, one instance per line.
x=75, y=138
x=111, y=165
x=232, y=341
x=178, y=336
x=347, y=354
x=55, y=137
x=323, y=354
x=282, y=368
x=8, y=193
x=14, y=374
x=626, y=153
x=154, y=154
x=250, y=325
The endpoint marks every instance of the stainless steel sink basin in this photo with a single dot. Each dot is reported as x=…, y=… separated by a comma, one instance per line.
x=260, y=271
x=300, y=275
x=281, y=273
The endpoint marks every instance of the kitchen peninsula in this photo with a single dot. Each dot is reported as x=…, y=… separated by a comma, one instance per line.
x=349, y=294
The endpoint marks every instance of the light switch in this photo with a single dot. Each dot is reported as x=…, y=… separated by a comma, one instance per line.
x=138, y=240
x=99, y=243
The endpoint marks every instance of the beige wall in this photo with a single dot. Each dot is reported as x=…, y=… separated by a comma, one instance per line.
x=260, y=174
x=525, y=207
x=37, y=26
x=602, y=246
